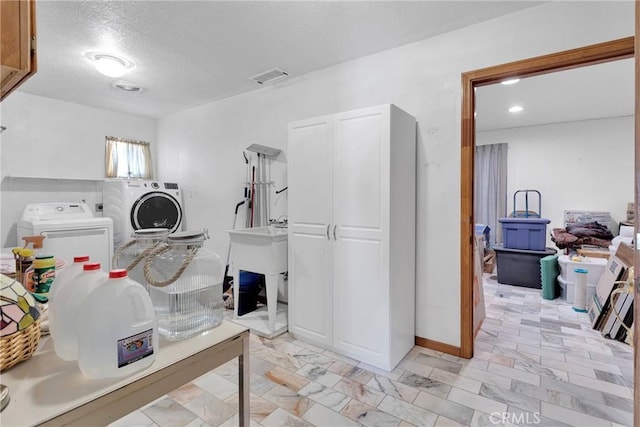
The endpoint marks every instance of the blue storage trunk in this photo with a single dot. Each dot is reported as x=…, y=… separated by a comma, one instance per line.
x=524, y=233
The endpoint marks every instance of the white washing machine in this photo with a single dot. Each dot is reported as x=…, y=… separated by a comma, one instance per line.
x=134, y=204
x=70, y=230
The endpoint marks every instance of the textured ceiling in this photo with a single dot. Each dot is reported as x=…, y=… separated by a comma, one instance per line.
x=191, y=53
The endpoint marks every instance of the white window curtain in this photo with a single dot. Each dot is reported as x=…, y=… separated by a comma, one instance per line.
x=490, y=187
x=127, y=158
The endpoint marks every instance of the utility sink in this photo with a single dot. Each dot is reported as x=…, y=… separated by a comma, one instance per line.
x=259, y=249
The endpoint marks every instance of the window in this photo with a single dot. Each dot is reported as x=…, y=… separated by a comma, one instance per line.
x=125, y=158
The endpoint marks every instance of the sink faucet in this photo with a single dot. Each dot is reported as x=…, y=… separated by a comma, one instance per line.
x=281, y=222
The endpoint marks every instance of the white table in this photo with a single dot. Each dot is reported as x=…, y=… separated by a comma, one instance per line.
x=45, y=390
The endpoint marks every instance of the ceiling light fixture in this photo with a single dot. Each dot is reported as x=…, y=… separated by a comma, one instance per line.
x=110, y=65
x=515, y=109
x=127, y=86
x=510, y=82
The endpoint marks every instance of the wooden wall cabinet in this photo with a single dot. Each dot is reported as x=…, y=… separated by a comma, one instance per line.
x=352, y=233
x=18, y=48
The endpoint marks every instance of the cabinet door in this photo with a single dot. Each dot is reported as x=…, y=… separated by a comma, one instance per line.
x=17, y=58
x=360, y=254
x=309, y=212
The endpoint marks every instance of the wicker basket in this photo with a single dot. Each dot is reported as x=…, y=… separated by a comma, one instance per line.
x=20, y=346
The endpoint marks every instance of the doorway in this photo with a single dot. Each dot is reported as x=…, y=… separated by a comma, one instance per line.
x=589, y=55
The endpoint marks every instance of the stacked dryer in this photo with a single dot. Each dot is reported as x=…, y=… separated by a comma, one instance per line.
x=136, y=204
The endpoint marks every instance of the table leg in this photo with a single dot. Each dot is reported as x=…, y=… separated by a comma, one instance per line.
x=236, y=292
x=244, y=375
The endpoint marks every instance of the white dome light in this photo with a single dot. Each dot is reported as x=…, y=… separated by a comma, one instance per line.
x=515, y=109
x=109, y=65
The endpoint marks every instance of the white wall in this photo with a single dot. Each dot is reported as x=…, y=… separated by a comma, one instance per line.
x=202, y=147
x=50, y=140
x=585, y=165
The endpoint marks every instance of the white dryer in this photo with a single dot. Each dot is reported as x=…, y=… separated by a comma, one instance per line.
x=70, y=230
x=134, y=204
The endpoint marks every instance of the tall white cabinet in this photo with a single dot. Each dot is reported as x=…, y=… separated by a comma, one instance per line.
x=352, y=233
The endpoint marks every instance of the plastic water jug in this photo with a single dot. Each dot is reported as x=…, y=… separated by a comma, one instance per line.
x=62, y=280
x=185, y=284
x=71, y=299
x=118, y=333
x=131, y=254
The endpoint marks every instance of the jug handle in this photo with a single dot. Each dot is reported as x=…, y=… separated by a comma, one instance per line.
x=137, y=295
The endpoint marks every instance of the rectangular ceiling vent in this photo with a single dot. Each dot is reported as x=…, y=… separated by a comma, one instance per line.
x=270, y=76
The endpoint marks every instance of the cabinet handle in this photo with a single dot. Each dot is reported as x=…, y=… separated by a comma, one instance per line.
x=334, y=231
x=328, y=227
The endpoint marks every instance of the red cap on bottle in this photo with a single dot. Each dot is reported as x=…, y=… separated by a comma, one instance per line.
x=118, y=273
x=83, y=258
x=90, y=266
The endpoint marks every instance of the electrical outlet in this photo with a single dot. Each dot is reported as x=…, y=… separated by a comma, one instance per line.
x=98, y=207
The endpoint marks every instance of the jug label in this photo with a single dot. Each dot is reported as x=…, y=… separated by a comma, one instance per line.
x=43, y=278
x=135, y=347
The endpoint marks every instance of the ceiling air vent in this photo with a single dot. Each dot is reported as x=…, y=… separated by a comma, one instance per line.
x=270, y=76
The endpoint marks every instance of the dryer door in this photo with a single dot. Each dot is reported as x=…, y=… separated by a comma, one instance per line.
x=156, y=210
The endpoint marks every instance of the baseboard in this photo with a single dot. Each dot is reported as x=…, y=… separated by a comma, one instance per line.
x=438, y=346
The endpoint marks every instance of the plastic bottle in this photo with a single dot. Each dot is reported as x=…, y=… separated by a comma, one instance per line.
x=71, y=300
x=185, y=284
x=63, y=278
x=44, y=271
x=24, y=265
x=26, y=277
x=118, y=334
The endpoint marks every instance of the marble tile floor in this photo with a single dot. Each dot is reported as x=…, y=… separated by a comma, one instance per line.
x=536, y=363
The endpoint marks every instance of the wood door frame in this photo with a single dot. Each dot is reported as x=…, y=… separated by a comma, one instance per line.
x=636, y=261
x=565, y=60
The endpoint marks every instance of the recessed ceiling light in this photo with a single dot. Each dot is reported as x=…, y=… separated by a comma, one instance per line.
x=127, y=86
x=515, y=109
x=510, y=81
x=110, y=65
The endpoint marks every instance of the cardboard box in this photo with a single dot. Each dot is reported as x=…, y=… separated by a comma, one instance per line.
x=595, y=253
x=575, y=217
x=489, y=261
x=612, y=327
x=478, y=288
x=616, y=268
